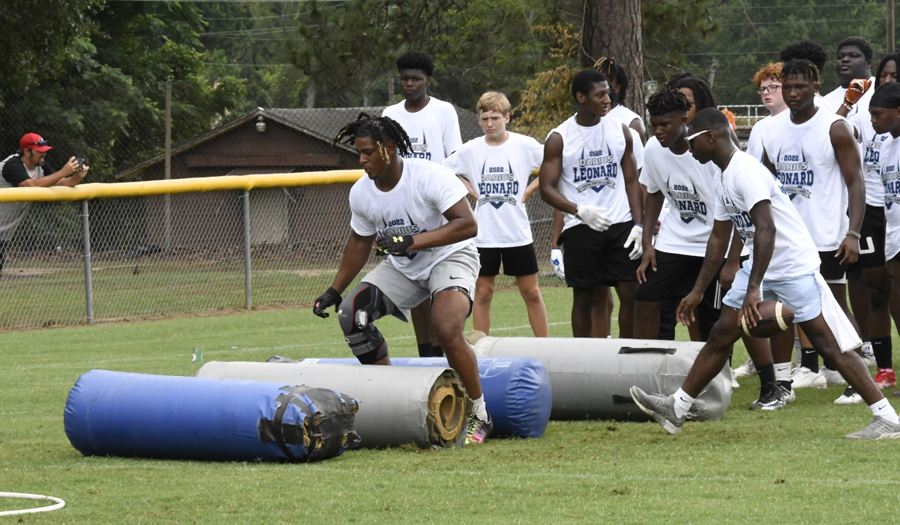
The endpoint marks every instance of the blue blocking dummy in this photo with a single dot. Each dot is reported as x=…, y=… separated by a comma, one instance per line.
x=139, y=415
x=516, y=390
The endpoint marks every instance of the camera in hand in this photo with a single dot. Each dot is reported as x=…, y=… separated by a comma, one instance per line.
x=80, y=162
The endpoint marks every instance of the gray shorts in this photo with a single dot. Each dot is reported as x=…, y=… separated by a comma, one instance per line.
x=458, y=271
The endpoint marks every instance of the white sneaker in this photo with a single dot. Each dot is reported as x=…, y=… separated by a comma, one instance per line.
x=868, y=354
x=832, y=377
x=805, y=378
x=734, y=383
x=746, y=369
x=789, y=396
x=849, y=397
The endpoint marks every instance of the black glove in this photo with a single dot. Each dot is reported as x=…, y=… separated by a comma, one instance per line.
x=395, y=244
x=330, y=297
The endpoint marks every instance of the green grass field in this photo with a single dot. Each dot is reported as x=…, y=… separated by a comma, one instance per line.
x=792, y=466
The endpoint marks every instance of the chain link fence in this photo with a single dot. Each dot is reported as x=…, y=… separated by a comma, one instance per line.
x=114, y=259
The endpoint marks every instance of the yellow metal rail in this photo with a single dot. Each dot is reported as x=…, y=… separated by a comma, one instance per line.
x=162, y=187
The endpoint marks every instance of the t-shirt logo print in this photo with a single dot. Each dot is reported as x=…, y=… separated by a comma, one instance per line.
x=398, y=227
x=498, y=185
x=890, y=176
x=595, y=171
x=690, y=206
x=794, y=174
x=419, y=149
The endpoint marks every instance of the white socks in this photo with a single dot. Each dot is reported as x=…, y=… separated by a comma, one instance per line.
x=683, y=403
x=783, y=371
x=480, y=408
x=884, y=409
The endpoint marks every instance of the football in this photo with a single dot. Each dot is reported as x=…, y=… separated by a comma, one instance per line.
x=776, y=318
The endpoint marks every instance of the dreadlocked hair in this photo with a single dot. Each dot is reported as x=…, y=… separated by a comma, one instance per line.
x=895, y=58
x=380, y=129
x=616, y=73
x=667, y=101
x=703, y=95
x=800, y=66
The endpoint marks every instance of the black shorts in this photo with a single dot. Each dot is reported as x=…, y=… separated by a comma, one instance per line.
x=517, y=261
x=871, y=245
x=595, y=258
x=674, y=277
x=831, y=269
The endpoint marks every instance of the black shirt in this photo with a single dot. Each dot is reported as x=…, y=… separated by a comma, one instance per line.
x=15, y=173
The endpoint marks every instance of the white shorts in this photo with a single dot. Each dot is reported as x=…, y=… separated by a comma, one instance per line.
x=808, y=296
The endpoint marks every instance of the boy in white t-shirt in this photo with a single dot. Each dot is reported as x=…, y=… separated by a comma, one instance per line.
x=417, y=212
x=433, y=129
x=496, y=168
x=814, y=155
x=783, y=265
x=590, y=174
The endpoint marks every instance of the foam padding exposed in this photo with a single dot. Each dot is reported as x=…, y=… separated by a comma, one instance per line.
x=516, y=390
x=139, y=415
x=398, y=405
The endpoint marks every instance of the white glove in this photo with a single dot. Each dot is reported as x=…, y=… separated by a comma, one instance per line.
x=637, y=232
x=593, y=217
x=556, y=259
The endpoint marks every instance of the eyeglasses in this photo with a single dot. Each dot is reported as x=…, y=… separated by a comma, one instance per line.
x=771, y=88
x=41, y=143
x=690, y=139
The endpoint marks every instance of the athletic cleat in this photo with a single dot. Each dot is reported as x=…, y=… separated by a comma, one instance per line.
x=868, y=355
x=787, y=394
x=746, y=369
x=832, y=377
x=805, y=378
x=879, y=428
x=771, y=397
x=849, y=397
x=734, y=383
x=477, y=430
x=660, y=408
x=885, y=378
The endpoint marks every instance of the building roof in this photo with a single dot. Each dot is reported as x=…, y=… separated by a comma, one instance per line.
x=321, y=123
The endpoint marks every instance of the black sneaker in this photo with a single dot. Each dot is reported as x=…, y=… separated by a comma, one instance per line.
x=771, y=397
x=477, y=430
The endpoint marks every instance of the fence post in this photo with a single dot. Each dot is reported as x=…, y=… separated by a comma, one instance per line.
x=168, y=164
x=88, y=286
x=247, y=288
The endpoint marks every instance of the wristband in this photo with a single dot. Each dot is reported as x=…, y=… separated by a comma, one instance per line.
x=640, y=225
x=847, y=105
x=853, y=233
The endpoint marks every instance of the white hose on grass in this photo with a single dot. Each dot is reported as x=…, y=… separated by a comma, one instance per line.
x=59, y=503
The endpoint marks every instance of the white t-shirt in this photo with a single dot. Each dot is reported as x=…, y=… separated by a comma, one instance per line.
x=499, y=175
x=623, y=115
x=755, y=142
x=433, y=130
x=890, y=176
x=746, y=182
x=870, y=145
x=690, y=188
x=626, y=116
x=832, y=101
x=592, y=168
x=806, y=165
x=415, y=205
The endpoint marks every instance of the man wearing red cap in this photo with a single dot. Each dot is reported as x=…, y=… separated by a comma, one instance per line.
x=27, y=169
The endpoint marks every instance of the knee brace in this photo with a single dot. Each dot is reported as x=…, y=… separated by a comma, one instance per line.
x=359, y=309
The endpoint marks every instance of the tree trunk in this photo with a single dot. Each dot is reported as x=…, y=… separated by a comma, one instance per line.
x=612, y=28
